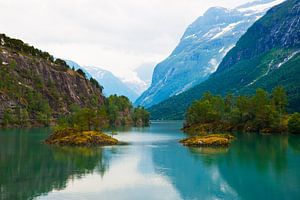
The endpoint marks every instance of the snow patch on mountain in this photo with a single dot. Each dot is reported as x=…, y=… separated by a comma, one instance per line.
x=213, y=66
x=190, y=36
x=202, y=47
x=225, y=30
x=185, y=88
x=222, y=49
x=274, y=66
x=287, y=59
x=260, y=7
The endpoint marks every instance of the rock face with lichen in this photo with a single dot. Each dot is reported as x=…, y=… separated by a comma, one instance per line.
x=208, y=140
x=35, y=88
x=73, y=137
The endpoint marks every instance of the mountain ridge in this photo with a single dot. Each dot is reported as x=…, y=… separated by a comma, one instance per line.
x=111, y=84
x=36, y=87
x=267, y=55
x=200, y=50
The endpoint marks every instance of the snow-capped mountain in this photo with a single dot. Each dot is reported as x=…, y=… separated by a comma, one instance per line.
x=141, y=78
x=266, y=56
x=201, y=49
x=111, y=83
x=145, y=72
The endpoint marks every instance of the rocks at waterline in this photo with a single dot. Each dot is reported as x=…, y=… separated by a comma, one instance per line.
x=73, y=137
x=211, y=140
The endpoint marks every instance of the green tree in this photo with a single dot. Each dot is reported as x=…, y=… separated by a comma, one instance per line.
x=259, y=112
x=140, y=117
x=294, y=123
x=23, y=117
x=84, y=119
x=80, y=71
x=8, y=117
x=260, y=104
x=279, y=99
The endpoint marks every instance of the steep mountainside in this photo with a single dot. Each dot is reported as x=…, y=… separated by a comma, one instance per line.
x=76, y=66
x=112, y=84
x=266, y=56
x=201, y=49
x=35, y=87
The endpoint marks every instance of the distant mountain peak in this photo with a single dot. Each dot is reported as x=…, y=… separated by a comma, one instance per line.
x=111, y=83
x=201, y=49
x=266, y=56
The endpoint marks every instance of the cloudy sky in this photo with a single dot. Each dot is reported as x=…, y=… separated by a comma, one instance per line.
x=117, y=35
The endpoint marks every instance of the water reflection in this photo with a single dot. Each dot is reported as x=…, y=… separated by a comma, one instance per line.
x=29, y=168
x=262, y=166
x=254, y=167
x=153, y=166
x=190, y=174
x=131, y=176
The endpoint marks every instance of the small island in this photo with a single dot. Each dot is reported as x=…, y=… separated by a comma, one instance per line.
x=84, y=126
x=210, y=140
x=73, y=137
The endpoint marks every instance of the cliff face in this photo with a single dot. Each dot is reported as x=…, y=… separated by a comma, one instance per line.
x=278, y=29
x=201, y=49
x=35, y=87
x=266, y=56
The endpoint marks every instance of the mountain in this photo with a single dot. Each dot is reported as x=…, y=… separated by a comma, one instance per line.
x=140, y=79
x=145, y=72
x=267, y=55
x=112, y=84
x=76, y=66
x=37, y=88
x=200, y=50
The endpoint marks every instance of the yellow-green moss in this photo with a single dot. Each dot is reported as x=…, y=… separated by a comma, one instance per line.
x=208, y=140
x=73, y=137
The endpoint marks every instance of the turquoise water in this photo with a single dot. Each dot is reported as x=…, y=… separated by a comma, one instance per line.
x=152, y=166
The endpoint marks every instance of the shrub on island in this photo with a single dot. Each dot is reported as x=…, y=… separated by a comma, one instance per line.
x=210, y=140
x=75, y=137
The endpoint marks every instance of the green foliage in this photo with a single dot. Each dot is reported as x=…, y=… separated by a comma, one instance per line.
x=280, y=99
x=19, y=45
x=43, y=118
x=39, y=107
x=29, y=83
x=84, y=119
x=294, y=123
x=118, y=110
x=8, y=117
x=140, y=117
x=95, y=82
x=261, y=112
x=61, y=62
x=23, y=117
x=260, y=59
x=81, y=72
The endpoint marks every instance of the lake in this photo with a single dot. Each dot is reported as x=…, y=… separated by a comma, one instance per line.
x=153, y=166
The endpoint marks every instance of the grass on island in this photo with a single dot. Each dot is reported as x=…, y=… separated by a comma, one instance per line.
x=208, y=140
x=73, y=137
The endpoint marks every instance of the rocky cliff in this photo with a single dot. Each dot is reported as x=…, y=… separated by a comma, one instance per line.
x=201, y=49
x=36, y=88
x=267, y=55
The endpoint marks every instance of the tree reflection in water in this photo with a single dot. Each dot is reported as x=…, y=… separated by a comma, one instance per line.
x=29, y=168
x=255, y=165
